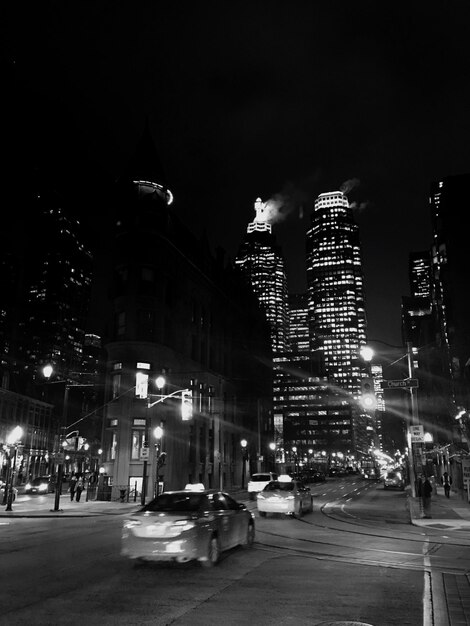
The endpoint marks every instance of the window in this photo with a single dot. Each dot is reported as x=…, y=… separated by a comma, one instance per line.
x=121, y=323
x=116, y=382
x=112, y=454
x=137, y=441
x=141, y=385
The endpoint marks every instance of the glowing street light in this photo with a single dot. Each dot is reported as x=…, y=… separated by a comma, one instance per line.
x=159, y=456
x=243, y=444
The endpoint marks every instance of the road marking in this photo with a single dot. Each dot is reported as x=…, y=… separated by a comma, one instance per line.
x=427, y=595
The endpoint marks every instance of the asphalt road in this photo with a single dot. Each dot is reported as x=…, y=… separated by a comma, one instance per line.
x=355, y=558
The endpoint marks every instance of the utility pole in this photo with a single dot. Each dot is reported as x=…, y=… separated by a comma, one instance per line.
x=414, y=449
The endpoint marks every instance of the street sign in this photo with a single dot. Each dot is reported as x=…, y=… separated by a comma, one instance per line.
x=466, y=471
x=416, y=434
x=144, y=454
x=60, y=457
x=407, y=383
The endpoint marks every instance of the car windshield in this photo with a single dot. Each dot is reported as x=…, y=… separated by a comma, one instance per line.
x=180, y=501
x=260, y=477
x=39, y=481
x=277, y=486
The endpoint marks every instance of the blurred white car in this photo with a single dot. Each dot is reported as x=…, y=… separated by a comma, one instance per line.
x=258, y=482
x=289, y=497
x=394, y=480
x=194, y=523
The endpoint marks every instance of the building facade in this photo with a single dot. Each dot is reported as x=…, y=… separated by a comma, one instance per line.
x=178, y=312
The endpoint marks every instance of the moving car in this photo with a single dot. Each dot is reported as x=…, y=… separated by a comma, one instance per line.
x=258, y=482
x=285, y=495
x=40, y=485
x=394, y=479
x=187, y=525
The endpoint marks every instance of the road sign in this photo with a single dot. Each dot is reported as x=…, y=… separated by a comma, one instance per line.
x=466, y=471
x=406, y=383
x=60, y=457
x=144, y=454
x=416, y=434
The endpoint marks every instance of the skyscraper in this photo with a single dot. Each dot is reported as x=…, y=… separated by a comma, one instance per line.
x=261, y=261
x=450, y=293
x=337, y=316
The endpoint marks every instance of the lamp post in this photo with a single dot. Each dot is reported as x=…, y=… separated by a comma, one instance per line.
x=243, y=444
x=272, y=447
x=47, y=371
x=13, y=439
x=158, y=434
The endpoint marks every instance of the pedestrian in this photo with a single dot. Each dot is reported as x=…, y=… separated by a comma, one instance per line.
x=426, y=493
x=446, y=481
x=72, y=486
x=79, y=488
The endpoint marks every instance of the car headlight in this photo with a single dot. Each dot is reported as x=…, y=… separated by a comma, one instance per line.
x=42, y=487
x=28, y=486
x=290, y=497
x=260, y=495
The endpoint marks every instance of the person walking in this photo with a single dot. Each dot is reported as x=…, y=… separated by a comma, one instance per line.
x=426, y=493
x=79, y=488
x=72, y=486
x=446, y=481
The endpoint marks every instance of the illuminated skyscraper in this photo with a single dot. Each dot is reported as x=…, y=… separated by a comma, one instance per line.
x=420, y=274
x=262, y=264
x=337, y=316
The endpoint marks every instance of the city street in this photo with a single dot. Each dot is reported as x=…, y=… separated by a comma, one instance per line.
x=356, y=557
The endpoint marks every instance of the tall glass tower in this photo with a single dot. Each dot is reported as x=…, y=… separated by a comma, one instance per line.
x=261, y=261
x=337, y=317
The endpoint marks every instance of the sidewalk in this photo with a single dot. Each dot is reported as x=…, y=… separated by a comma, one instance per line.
x=43, y=506
x=451, y=513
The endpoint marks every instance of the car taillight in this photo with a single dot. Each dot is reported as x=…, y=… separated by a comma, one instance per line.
x=183, y=525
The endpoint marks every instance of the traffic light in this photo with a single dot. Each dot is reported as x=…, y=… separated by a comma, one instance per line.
x=368, y=399
x=161, y=459
x=186, y=405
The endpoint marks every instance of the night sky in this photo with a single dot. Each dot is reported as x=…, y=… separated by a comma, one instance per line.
x=282, y=100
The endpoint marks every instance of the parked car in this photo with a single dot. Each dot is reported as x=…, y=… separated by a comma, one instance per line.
x=286, y=496
x=318, y=477
x=394, y=480
x=2, y=492
x=258, y=482
x=40, y=485
x=187, y=525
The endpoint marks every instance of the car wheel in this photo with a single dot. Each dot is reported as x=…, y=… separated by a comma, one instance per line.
x=250, y=536
x=262, y=513
x=213, y=553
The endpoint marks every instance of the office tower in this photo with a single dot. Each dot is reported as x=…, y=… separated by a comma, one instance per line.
x=451, y=295
x=419, y=269
x=262, y=264
x=337, y=316
x=298, y=323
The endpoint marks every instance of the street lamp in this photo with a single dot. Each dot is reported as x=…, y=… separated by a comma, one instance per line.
x=243, y=444
x=159, y=457
x=13, y=439
x=272, y=447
